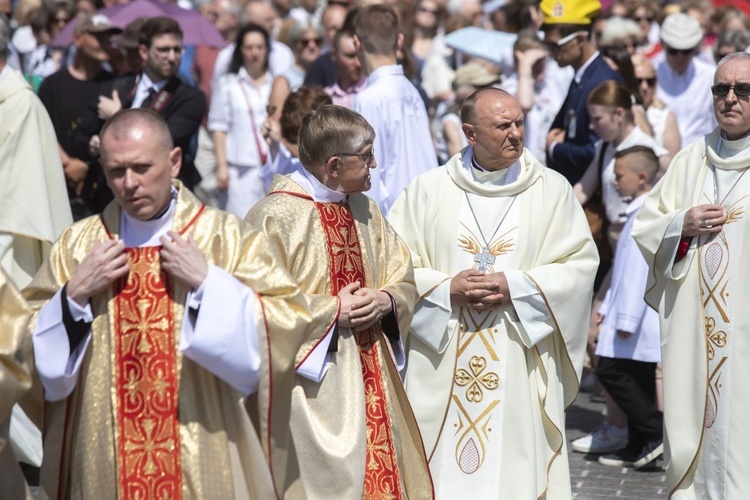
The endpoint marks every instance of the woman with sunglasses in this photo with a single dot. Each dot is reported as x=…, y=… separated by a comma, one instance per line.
x=662, y=120
x=306, y=40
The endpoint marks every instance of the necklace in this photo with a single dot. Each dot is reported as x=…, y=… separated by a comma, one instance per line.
x=719, y=146
x=485, y=258
x=716, y=185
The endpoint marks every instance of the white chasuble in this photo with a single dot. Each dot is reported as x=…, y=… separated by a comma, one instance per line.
x=489, y=388
x=719, y=273
x=702, y=303
x=469, y=450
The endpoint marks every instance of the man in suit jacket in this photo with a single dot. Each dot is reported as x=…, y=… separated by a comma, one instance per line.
x=156, y=87
x=567, y=35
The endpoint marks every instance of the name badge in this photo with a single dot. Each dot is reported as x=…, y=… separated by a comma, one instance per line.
x=571, y=124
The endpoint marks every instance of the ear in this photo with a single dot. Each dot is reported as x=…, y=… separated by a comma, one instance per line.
x=143, y=51
x=357, y=43
x=332, y=167
x=400, y=41
x=175, y=162
x=468, y=129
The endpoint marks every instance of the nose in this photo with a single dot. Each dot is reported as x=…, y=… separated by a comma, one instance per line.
x=129, y=180
x=731, y=97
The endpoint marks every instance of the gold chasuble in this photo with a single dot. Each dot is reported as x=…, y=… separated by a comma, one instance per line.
x=15, y=380
x=352, y=434
x=144, y=421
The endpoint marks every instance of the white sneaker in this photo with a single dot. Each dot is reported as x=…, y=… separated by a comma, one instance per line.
x=604, y=439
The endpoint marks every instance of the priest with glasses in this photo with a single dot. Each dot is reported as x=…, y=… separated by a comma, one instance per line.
x=695, y=235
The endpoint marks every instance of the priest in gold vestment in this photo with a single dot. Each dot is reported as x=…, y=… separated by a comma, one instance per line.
x=152, y=331
x=504, y=264
x=342, y=426
x=15, y=380
x=695, y=235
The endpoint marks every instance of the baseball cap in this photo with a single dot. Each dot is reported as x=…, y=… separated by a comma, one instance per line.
x=95, y=23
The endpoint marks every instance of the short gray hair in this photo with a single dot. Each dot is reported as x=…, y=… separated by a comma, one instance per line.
x=729, y=57
x=329, y=131
x=4, y=35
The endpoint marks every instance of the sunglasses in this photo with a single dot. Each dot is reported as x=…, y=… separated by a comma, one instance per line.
x=649, y=81
x=685, y=52
x=643, y=18
x=553, y=47
x=307, y=41
x=722, y=89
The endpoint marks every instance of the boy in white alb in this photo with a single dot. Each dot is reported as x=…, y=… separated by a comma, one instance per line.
x=628, y=346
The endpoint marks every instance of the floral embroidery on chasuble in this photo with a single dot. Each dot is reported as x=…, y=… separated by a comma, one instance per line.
x=147, y=427
x=470, y=439
x=382, y=477
x=719, y=274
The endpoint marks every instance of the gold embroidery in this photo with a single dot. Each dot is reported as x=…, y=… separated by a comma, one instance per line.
x=501, y=245
x=476, y=380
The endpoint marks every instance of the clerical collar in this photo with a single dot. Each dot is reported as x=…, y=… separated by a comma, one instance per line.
x=484, y=176
x=313, y=187
x=726, y=154
x=142, y=233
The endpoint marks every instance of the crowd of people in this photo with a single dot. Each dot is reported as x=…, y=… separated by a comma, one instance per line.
x=329, y=252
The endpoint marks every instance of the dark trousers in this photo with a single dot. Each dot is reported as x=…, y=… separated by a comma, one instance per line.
x=632, y=385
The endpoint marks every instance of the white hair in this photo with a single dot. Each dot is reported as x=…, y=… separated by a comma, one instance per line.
x=618, y=30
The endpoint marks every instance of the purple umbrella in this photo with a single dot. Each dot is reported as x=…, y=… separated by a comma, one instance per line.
x=197, y=30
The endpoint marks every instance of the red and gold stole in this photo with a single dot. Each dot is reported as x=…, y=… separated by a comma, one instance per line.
x=146, y=382
x=345, y=259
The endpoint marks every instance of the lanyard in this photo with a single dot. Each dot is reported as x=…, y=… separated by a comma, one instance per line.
x=261, y=151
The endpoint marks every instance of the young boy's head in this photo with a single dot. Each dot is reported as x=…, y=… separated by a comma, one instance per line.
x=635, y=170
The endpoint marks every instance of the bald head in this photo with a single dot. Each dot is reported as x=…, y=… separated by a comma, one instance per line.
x=493, y=124
x=139, y=124
x=262, y=13
x=484, y=97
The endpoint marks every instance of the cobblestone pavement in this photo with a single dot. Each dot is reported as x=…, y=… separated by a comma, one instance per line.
x=591, y=481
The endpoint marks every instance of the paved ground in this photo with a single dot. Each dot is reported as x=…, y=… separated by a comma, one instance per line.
x=591, y=481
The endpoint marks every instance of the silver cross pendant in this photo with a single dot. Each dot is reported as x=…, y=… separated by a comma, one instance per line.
x=484, y=258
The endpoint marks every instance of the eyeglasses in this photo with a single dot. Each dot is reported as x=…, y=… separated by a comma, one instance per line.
x=649, y=81
x=643, y=18
x=163, y=51
x=368, y=158
x=685, y=52
x=307, y=41
x=722, y=89
x=553, y=47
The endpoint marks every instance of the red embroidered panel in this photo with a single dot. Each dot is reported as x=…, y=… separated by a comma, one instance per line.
x=345, y=258
x=148, y=429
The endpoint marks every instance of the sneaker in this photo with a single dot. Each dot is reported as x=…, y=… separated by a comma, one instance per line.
x=625, y=457
x=605, y=439
x=649, y=453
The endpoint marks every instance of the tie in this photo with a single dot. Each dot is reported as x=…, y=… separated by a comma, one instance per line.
x=149, y=98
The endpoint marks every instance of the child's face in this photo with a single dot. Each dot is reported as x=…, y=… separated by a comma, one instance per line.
x=627, y=182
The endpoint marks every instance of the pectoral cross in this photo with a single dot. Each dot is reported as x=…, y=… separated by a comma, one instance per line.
x=484, y=258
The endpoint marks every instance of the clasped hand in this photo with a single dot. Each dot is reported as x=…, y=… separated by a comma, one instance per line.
x=362, y=307
x=474, y=289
